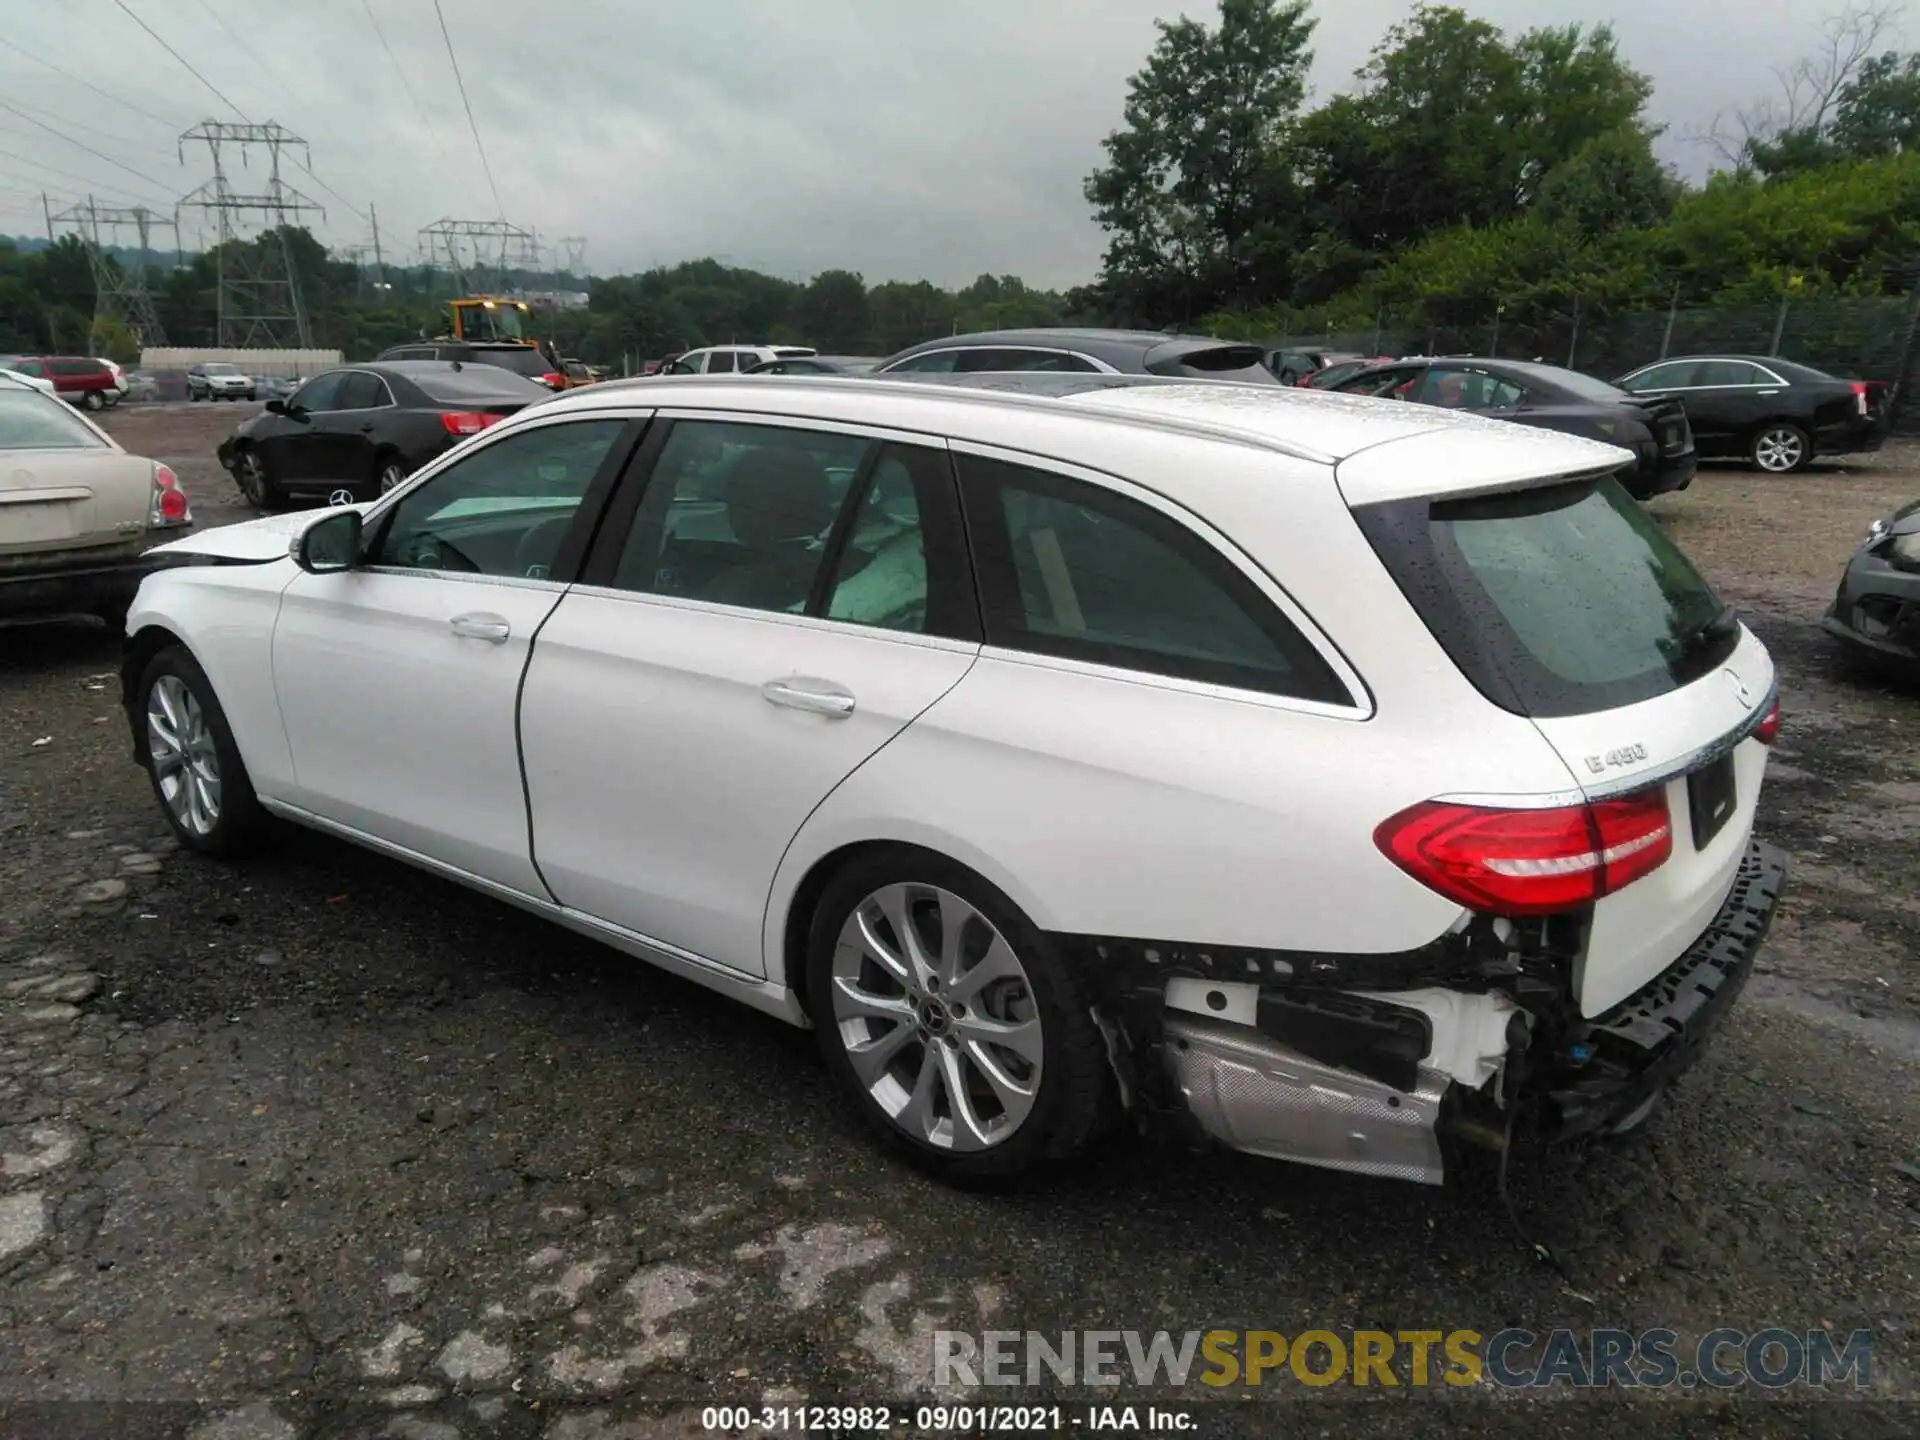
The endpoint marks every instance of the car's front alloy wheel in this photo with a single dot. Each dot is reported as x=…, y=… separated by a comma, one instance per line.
x=196, y=770
x=250, y=474
x=1780, y=449
x=956, y=1029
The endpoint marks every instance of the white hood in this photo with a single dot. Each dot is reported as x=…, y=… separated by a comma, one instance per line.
x=269, y=538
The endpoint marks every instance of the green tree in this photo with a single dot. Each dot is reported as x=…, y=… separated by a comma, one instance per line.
x=833, y=313
x=1197, y=174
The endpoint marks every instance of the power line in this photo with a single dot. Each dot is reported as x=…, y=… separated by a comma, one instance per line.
x=69, y=174
x=468, y=105
x=400, y=70
x=79, y=145
x=181, y=58
x=124, y=104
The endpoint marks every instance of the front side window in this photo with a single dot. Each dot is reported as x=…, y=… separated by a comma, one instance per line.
x=934, y=362
x=739, y=514
x=503, y=509
x=320, y=394
x=32, y=421
x=1674, y=375
x=1074, y=570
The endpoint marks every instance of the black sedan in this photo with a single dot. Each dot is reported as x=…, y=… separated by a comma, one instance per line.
x=1877, y=609
x=1549, y=398
x=817, y=365
x=357, y=432
x=1772, y=413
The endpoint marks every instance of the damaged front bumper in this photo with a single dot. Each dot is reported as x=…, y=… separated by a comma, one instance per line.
x=1385, y=1082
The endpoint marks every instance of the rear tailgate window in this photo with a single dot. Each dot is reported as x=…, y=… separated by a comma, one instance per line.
x=1562, y=599
x=479, y=389
x=1218, y=362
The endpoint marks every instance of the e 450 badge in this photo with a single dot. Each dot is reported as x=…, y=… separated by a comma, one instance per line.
x=1617, y=759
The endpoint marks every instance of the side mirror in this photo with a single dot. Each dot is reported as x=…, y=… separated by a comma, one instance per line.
x=329, y=545
x=276, y=406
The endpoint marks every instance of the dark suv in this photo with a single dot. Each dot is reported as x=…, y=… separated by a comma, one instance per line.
x=520, y=359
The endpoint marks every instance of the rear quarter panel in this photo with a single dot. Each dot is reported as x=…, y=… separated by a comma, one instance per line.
x=1131, y=806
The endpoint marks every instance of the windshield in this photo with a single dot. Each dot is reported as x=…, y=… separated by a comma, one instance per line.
x=520, y=359
x=32, y=421
x=218, y=369
x=1584, y=386
x=500, y=320
x=1560, y=600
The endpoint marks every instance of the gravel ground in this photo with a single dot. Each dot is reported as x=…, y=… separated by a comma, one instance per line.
x=317, y=1146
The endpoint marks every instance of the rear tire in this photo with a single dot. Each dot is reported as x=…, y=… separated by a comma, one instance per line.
x=190, y=757
x=1780, y=448
x=93, y=400
x=977, y=1005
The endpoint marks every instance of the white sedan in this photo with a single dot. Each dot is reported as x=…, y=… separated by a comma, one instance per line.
x=1343, y=778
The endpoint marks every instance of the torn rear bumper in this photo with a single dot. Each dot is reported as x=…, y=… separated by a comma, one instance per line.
x=1630, y=1055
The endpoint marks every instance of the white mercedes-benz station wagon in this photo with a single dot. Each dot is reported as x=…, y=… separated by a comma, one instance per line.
x=1348, y=781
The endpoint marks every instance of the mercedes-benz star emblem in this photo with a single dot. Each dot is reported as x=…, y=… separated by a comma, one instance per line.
x=340, y=497
x=1740, y=691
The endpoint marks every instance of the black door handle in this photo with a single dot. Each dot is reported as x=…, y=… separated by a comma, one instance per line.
x=367, y=429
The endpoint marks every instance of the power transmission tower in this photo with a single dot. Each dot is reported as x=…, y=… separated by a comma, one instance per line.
x=259, y=288
x=576, y=246
x=120, y=289
x=493, y=245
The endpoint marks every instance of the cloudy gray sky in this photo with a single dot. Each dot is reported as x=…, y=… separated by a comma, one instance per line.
x=900, y=138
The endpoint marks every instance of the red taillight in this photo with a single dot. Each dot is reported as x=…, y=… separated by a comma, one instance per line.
x=1529, y=862
x=553, y=379
x=1859, y=395
x=465, y=422
x=1769, y=725
x=170, y=505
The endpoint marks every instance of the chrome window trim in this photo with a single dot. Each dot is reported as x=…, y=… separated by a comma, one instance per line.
x=1771, y=382
x=521, y=582
x=385, y=389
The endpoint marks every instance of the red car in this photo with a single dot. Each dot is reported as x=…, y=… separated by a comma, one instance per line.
x=76, y=379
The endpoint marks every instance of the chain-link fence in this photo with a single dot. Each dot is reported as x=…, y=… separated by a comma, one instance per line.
x=1861, y=338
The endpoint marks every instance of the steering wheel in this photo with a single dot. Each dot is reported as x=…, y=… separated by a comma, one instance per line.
x=536, y=548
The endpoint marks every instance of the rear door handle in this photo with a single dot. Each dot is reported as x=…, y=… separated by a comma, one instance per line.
x=367, y=429
x=481, y=626
x=803, y=692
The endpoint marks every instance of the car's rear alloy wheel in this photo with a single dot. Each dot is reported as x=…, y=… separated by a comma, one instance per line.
x=957, y=1030
x=937, y=1016
x=191, y=757
x=392, y=471
x=94, y=401
x=1782, y=448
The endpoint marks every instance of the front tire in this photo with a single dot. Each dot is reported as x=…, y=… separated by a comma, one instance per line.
x=191, y=759
x=250, y=474
x=957, y=1031
x=93, y=400
x=389, y=472
x=1780, y=448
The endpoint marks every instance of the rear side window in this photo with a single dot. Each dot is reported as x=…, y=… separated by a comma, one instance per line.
x=934, y=362
x=1006, y=358
x=363, y=391
x=1560, y=600
x=1074, y=570
x=32, y=421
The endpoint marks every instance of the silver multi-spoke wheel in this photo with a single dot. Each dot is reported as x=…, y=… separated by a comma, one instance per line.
x=391, y=474
x=937, y=1017
x=186, y=763
x=1780, y=448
